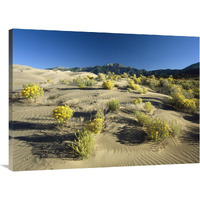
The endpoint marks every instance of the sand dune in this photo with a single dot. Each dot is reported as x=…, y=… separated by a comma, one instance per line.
x=37, y=144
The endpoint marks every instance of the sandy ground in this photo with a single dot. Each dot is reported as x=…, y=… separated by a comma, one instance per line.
x=36, y=143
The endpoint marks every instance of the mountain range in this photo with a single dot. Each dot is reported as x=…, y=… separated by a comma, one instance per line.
x=191, y=71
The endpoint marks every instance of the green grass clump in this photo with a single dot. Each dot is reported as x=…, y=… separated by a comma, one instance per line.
x=62, y=114
x=108, y=85
x=83, y=82
x=89, y=81
x=142, y=118
x=31, y=91
x=148, y=107
x=83, y=144
x=137, y=101
x=175, y=127
x=113, y=105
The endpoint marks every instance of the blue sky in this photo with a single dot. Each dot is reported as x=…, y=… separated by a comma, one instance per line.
x=46, y=49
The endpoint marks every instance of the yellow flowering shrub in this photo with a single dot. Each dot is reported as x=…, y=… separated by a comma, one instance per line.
x=62, y=114
x=132, y=85
x=31, y=91
x=83, y=144
x=148, y=107
x=81, y=85
x=136, y=101
x=97, y=124
x=177, y=100
x=143, y=91
x=137, y=80
x=190, y=105
x=108, y=85
x=101, y=77
x=182, y=103
x=124, y=75
x=158, y=129
x=115, y=77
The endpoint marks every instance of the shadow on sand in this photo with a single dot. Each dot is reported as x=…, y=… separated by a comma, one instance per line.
x=20, y=126
x=191, y=136
x=52, y=146
x=80, y=89
x=192, y=118
x=131, y=133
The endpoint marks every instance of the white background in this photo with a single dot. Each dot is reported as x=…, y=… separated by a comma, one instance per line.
x=145, y=17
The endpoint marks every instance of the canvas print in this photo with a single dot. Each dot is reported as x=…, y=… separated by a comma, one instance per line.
x=85, y=100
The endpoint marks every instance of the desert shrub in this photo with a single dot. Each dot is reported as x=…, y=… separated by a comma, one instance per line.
x=196, y=102
x=137, y=80
x=135, y=87
x=108, y=85
x=124, y=75
x=153, y=77
x=170, y=79
x=113, y=105
x=179, y=101
x=84, y=82
x=137, y=101
x=189, y=94
x=148, y=107
x=97, y=124
x=115, y=77
x=89, y=81
x=83, y=144
x=174, y=127
x=189, y=105
x=143, y=91
x=81, y=85
x=28, y=85
x=153, y=83
x=164, y=86
x=158, y=129
x=132, y=85
x=32, y=91
x=142, y=118
x=62, y=114
x=143, y=80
